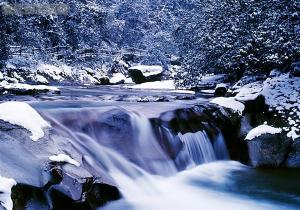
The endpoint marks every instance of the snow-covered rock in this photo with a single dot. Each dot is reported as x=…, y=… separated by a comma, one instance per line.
x=117, y=78
x=262, y=129
x=221, y=90
x=41, y=79
x=143, y=73
x=65, y=159
x=51, y=71
x=230, y=103
x=212, y=80
x=22, y=114
x=25, y=89
x=248, y=92
x=267, y=146
x=5, y=192
x=281, y=94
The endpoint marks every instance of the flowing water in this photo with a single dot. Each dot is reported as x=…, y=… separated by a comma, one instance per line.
x=125, y=146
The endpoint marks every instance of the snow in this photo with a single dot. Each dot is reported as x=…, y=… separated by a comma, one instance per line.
x=248, y=92
x=22, y=114
x=211, y=80
x=129, y=81
x=52, y=71
x=64, y=158
x=208, y=91
x=117, y=78
x=158, y=85
x=261, y=130
x=292, y=134
x=230, y=103
x=221, y=85
x=148, y=70
x=281, y=94
x=20, y=86
x=5, y=192
x=40, y=79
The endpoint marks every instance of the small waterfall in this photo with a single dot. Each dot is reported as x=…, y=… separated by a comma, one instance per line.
x=148, y=146
x=220, y=147
x=132, y=159
x=198, y=146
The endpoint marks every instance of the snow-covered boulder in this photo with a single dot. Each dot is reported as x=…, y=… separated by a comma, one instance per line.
x=117, y=78
x=267, y=146
x=293, y=159
x=142, y=73
x=22, y=114
x=229, y=103
x=39, y=79
x=25, y=89
x=221, y=90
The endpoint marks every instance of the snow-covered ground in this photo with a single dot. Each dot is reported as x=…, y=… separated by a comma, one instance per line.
x=5, y=192
x=261, y=130
x=22, y=114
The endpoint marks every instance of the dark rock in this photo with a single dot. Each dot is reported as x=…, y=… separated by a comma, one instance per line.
x=257, y=105
x=295, y=69
x=268, y=150
x=103, y=81
x=25, y=91
x=220, y=91
x=293, y=159
x=139, y=76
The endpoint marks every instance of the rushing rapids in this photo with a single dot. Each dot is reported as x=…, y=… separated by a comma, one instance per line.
x=124, y=158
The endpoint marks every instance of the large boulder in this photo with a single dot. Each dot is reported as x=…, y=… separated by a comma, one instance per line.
x=293, y=159
x=268, y=150
x=295, y=69
x=141, y=73
x=221, y=90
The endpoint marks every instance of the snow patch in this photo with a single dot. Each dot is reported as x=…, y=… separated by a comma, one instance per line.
x=22, y=114
x=5, y=192
x=117, y=78
x=158, y=85
x=148, y=70
x=40, y=79
x=9, y=86
x=248, y=92
x=261, y=130
x=64, y=158
x=230, y=103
